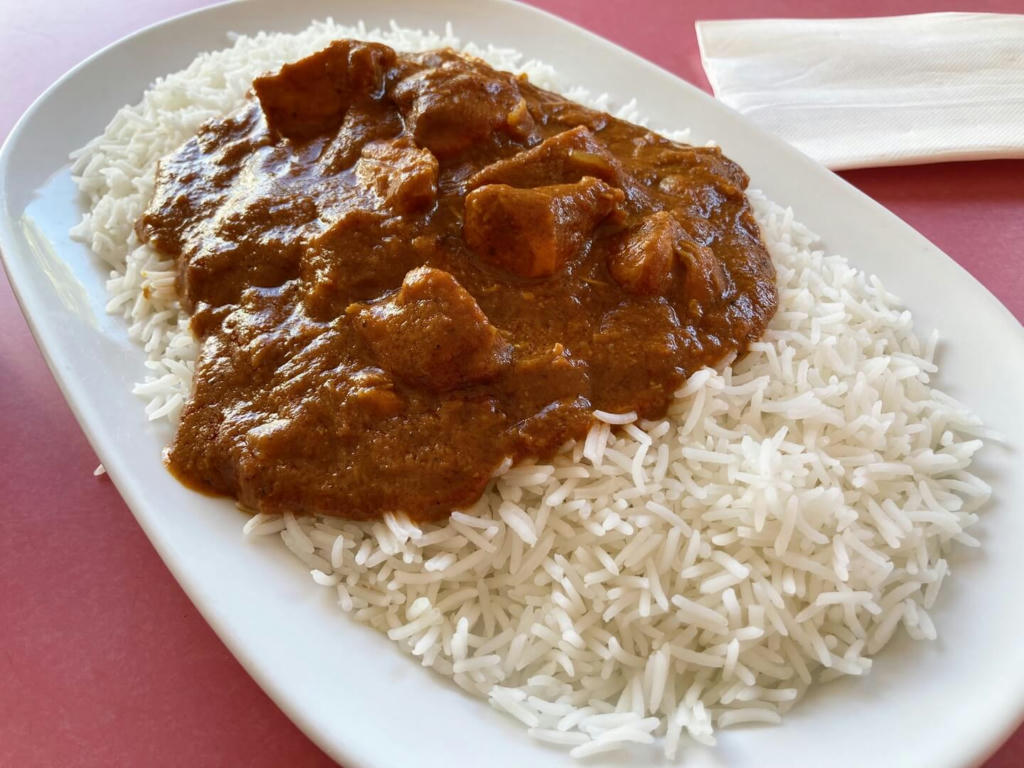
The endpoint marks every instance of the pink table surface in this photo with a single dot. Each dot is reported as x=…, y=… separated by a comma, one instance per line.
x=103, y=660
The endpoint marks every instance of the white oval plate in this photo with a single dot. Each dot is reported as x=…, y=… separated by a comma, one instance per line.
x=930, y=705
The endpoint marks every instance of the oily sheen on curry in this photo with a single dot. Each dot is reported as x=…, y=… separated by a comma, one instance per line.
x=406, y=268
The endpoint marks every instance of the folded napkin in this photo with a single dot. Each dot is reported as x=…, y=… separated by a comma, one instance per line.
x=886, y=91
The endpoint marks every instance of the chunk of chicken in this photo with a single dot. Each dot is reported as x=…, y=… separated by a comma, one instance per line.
x=311, y=96
x=432, y=334
x=403, y=176
x=534, y=232
x=449, y=109
x=345, y=262
x=561, y=159
x=645, y=263
x=705, y=278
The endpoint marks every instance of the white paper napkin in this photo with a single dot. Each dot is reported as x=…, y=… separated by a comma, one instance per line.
x=885, y=91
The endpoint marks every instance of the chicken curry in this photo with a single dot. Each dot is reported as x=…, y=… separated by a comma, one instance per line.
x=406, y=268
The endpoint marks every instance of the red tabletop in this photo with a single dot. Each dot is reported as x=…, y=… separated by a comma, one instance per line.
x=103, y=660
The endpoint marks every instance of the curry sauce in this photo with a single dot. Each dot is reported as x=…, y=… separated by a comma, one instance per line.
x=405, y=268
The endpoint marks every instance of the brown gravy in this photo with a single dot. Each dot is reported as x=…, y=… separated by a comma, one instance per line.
x=404, y=268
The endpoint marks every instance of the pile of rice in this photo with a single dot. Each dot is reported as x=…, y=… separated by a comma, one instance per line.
x=660, y=579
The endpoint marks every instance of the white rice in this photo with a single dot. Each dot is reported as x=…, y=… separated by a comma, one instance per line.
x=791, y=512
